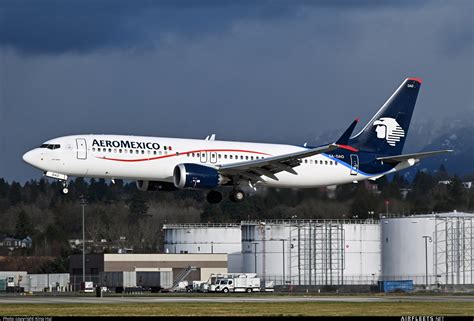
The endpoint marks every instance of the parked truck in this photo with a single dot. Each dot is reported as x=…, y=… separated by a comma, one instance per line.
x=237, y=283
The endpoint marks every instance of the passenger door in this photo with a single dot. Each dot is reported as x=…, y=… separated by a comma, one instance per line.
x=81, y=148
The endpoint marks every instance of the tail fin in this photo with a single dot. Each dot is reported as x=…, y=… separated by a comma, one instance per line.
x=386, y=132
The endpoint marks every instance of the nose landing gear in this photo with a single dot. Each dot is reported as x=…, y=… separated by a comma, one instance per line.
x=65, y=189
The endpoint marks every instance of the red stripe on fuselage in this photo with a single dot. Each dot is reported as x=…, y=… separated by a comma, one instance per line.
x=183, y=153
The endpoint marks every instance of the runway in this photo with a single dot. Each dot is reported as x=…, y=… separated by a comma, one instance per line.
x=196, y=299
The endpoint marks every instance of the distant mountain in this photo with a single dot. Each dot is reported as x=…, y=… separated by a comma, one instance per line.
x=456, y=133
x=461, y=161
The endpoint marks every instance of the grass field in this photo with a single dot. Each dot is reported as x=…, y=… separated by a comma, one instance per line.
x=244, y=309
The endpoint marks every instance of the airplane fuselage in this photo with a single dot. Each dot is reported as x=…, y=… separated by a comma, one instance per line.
x=154, y=159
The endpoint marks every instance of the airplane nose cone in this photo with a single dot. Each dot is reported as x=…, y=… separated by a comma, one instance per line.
x=30, y=157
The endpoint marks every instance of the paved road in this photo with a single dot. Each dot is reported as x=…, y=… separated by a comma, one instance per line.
x=194, y=299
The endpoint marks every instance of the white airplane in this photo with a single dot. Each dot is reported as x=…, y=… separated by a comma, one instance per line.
x=158, y=163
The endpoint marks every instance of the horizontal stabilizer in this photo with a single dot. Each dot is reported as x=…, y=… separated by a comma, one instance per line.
x=401, y=158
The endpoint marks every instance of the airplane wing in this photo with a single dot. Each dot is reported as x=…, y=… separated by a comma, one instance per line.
x=417, y=156
x=269, y=166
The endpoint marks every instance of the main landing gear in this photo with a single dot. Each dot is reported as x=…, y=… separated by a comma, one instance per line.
x=215, y=197
x=237, y=196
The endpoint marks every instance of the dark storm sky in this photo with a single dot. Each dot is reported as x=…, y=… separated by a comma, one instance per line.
x=272, y=71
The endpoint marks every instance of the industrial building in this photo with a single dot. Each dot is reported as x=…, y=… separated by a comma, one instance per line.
x=340, y=252
x=191, y=266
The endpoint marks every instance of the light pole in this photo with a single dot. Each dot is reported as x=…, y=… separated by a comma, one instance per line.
x=371, y=215
x=386, y=207
x=255, y=256
x=283, y=248
x=83, y=203
x=427, y=238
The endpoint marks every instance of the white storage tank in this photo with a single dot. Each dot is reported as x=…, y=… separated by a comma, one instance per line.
x=205, y=238
x=202, y=238
x=312, y=252
x=428, y=249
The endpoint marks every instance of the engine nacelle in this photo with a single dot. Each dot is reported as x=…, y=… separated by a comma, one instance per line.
x=155, y=186
x=196, y=176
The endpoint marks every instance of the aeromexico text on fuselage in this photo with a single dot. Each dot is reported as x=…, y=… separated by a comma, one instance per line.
x=126, y=144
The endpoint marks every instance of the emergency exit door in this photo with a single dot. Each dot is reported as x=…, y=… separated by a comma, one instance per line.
x=354, y=164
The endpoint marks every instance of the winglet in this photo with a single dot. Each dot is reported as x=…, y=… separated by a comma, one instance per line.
x=343, y=141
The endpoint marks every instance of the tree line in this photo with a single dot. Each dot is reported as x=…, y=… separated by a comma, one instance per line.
x=121, y=212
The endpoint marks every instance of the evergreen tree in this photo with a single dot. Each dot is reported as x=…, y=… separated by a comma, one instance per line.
x=137, y=208
x=15, y=194
x=4, y=187
x=23, y=227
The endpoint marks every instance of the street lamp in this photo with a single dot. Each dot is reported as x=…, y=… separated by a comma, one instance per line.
x=255, y=255
x=83, y=202
x=427, y=238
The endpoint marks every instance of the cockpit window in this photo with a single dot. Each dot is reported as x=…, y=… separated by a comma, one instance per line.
x=51, y=146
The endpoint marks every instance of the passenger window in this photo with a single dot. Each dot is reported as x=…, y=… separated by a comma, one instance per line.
x=321, y=162
x=241, y=157
x=143, y=152
x=325, y=162
x=251, y=157
x=164, y=147
x=225, y=156
x=306, y=161
x=120, y=151
x=219, y=156
x=330, y=162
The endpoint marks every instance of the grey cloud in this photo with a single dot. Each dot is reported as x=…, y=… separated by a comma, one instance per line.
x=68, y=26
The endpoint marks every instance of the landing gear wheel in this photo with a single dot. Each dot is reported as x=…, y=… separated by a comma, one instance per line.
x=237, y=196
x=214, y=197
x=65, y=189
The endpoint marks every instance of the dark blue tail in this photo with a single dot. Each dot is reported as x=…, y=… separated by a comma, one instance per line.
x=386, y=132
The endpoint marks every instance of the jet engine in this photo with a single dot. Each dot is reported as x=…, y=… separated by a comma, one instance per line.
x=197, y=176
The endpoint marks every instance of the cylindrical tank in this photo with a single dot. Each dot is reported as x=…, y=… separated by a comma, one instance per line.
x=428, y=249
x=202, y=238
x=312, y=252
